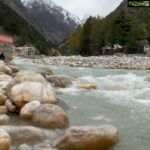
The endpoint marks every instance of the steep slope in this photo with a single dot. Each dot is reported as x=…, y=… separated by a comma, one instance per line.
x=129, y=27
x=13, y=24
x=55, y=22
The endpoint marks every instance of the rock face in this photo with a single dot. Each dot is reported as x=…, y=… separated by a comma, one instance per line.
x=50, y=116
x=87, y=86
x=29, y=91
x=5, y=140
x=88, y=138
x=54, y=22
x=59, y=80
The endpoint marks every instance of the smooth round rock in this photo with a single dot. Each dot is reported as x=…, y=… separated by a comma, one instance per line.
x=50, y=116
x=5, y=140
x=89, y=138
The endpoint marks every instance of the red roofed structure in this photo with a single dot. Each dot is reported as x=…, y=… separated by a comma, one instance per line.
x=6, y=39
x=6, y=46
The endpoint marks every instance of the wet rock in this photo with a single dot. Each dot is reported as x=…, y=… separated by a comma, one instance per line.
x=29, y=91
x=5, y=140
x=31, y=76
x=5, y=69
x=60, y=80
x=24, y=147
x=42, y=146
x=147, y=79
x=3, y=110
x=5, y=77
x=50, y=116
x=14, y=68
x=46, y=145
x=63, y=104
x=2, y=98
x=10, y=106
x=45, y=71
x=28, y=110
x=88, y=138
x=4, y=119
x=87, y=86
x=26, y=134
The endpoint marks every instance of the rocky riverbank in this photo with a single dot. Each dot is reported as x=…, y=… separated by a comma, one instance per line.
x=110, y=62
x=31, y=97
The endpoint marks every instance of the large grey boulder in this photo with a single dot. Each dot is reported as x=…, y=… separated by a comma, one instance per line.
x=50, y=116
x=29, y=91
x=89, y=138
x=60, y=80
x=44, y=71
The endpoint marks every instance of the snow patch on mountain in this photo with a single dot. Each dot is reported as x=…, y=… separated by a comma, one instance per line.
x=52, y=8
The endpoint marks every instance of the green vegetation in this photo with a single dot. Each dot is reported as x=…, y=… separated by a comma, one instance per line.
x=23, y=33
x=139, y=3
x=126, y=27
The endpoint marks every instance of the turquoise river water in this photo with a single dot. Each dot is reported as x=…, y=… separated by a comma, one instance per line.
x=122, y=99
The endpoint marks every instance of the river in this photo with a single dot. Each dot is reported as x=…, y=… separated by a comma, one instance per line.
x=122, y=99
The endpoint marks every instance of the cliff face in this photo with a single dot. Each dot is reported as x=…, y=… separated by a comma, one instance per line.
x=52, y=21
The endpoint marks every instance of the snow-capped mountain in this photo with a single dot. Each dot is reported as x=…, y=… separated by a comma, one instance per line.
x=55, y=22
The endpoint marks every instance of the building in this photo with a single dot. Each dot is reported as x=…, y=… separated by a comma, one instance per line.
x=25, y=51
x=6, y=46
x=144, y=47
x=112, y=50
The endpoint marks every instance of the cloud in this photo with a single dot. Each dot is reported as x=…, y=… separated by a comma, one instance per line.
x=83, y=8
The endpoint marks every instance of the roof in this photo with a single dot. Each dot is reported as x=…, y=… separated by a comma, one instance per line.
x=6, y=39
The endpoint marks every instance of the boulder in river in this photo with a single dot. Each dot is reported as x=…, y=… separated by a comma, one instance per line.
x=60, y=80
x=4, y=119
x=50, y=116
x=89, y=138
x=3, y=98
x=28, y=75
x=5, y=77
x=26, y=134
x=29, y=91
x=88, y=86
x=14, y=68
x=5, y=69
x=45, y=71
x=24, y=147
x=28, y=110
x=3, y=110
x=5, y=140
x=10, y=106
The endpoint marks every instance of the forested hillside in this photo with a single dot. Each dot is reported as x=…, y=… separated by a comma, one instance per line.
x=125, y=26
x=22, y=32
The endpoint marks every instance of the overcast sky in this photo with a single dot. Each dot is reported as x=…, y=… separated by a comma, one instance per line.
x=84, y=8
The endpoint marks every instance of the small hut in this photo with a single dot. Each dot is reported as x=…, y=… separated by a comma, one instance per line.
x=144, y=46
x=25, y=51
